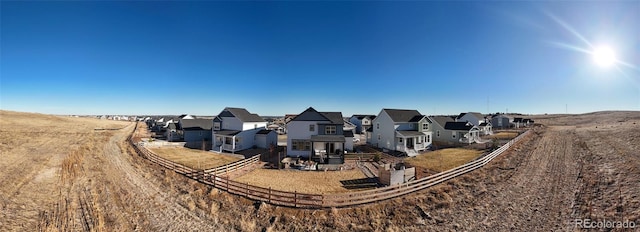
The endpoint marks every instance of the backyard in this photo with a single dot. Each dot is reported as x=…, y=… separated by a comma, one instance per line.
x=193, y=158
x=314, y=182
x=444, y=159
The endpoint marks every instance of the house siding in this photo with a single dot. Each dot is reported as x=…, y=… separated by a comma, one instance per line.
x=471, y=119
x=357, y=123
x=386, y=132
x=264, y=140
x=300, y=130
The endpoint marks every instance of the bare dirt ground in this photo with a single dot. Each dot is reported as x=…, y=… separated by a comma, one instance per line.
x=573, y=167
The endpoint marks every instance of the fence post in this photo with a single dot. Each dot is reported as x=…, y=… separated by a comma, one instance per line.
x=269, y=194
x=214, y=179
x=295, y=198
x=247, y=186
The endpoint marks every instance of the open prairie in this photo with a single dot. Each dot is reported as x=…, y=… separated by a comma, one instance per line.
x=59, y=173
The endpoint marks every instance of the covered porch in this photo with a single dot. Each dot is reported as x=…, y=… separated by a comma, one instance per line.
x=327, y=149
x=226, y=140
x=471, y=136
x=412, y=141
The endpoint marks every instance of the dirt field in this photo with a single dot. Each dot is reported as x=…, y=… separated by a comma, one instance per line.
x=444, y=159
x=304, y=182
x=194, y=158
x=61, y=175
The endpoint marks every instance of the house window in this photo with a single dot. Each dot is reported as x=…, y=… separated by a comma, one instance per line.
x=330, y=130
x=438, y=133
x=428, y=138
x=228, y=140
x=400, y=140
x=216, y=126
x=379, y=138
x=312, y=127
x=300, y=145
x=377, y=125
x=453, y=134
x=425, y=126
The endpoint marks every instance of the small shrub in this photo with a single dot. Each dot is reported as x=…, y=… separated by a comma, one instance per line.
x=376, y=157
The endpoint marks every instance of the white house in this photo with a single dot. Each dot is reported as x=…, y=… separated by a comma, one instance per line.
x=362, y=122
x=401, y=130
x=474, y=118
x=319, y=136
x=235, y=129
x=486, y=128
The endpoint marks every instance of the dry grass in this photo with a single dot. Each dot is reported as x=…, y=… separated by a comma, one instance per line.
x=442, y=160
x=314, y=182
x=504, y=135
x=194, y=158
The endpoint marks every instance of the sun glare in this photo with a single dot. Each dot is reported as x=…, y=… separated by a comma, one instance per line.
x=604, y=56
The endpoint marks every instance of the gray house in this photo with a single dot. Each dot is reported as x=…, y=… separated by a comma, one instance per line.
x=196, y=133
x=500, y=121
x=362, y=122
x=319, y=136
x=446, y=131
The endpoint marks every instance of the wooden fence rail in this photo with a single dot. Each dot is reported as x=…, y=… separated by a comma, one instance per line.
x=217, y=177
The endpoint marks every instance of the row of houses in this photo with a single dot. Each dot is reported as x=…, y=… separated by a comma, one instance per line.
x=325, y=136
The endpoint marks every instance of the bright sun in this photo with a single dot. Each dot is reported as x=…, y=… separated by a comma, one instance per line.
x=604, y=56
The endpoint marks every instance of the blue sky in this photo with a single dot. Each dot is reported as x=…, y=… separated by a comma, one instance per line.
x=275, y=58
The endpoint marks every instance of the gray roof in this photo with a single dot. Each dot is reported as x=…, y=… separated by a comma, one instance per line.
x=442, y=120
x=334, y=117
x=311, y=114
x=410, y=133
x=264, y=132
x=460, y=126
x=402, y=115
x=242, y=114
x=478, y=115
x=227, y=132
x=327, y=138
x=361, y=116
x=196, y=124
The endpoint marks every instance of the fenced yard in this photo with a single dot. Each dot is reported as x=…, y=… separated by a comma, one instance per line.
x=444, y=159
x=313, y=182
x=195, y=159
x=316, y=199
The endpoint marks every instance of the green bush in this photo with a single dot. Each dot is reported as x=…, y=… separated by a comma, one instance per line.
x=376, y=157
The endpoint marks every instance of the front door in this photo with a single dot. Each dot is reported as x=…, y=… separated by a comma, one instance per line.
x=409, y=142
x=330, y=147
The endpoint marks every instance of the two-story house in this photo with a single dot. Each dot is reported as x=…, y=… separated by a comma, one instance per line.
x=448, y=132
x=362, y=122
x=401, y=130
x=235, y=129
x=319, y=136
x=196, y=132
